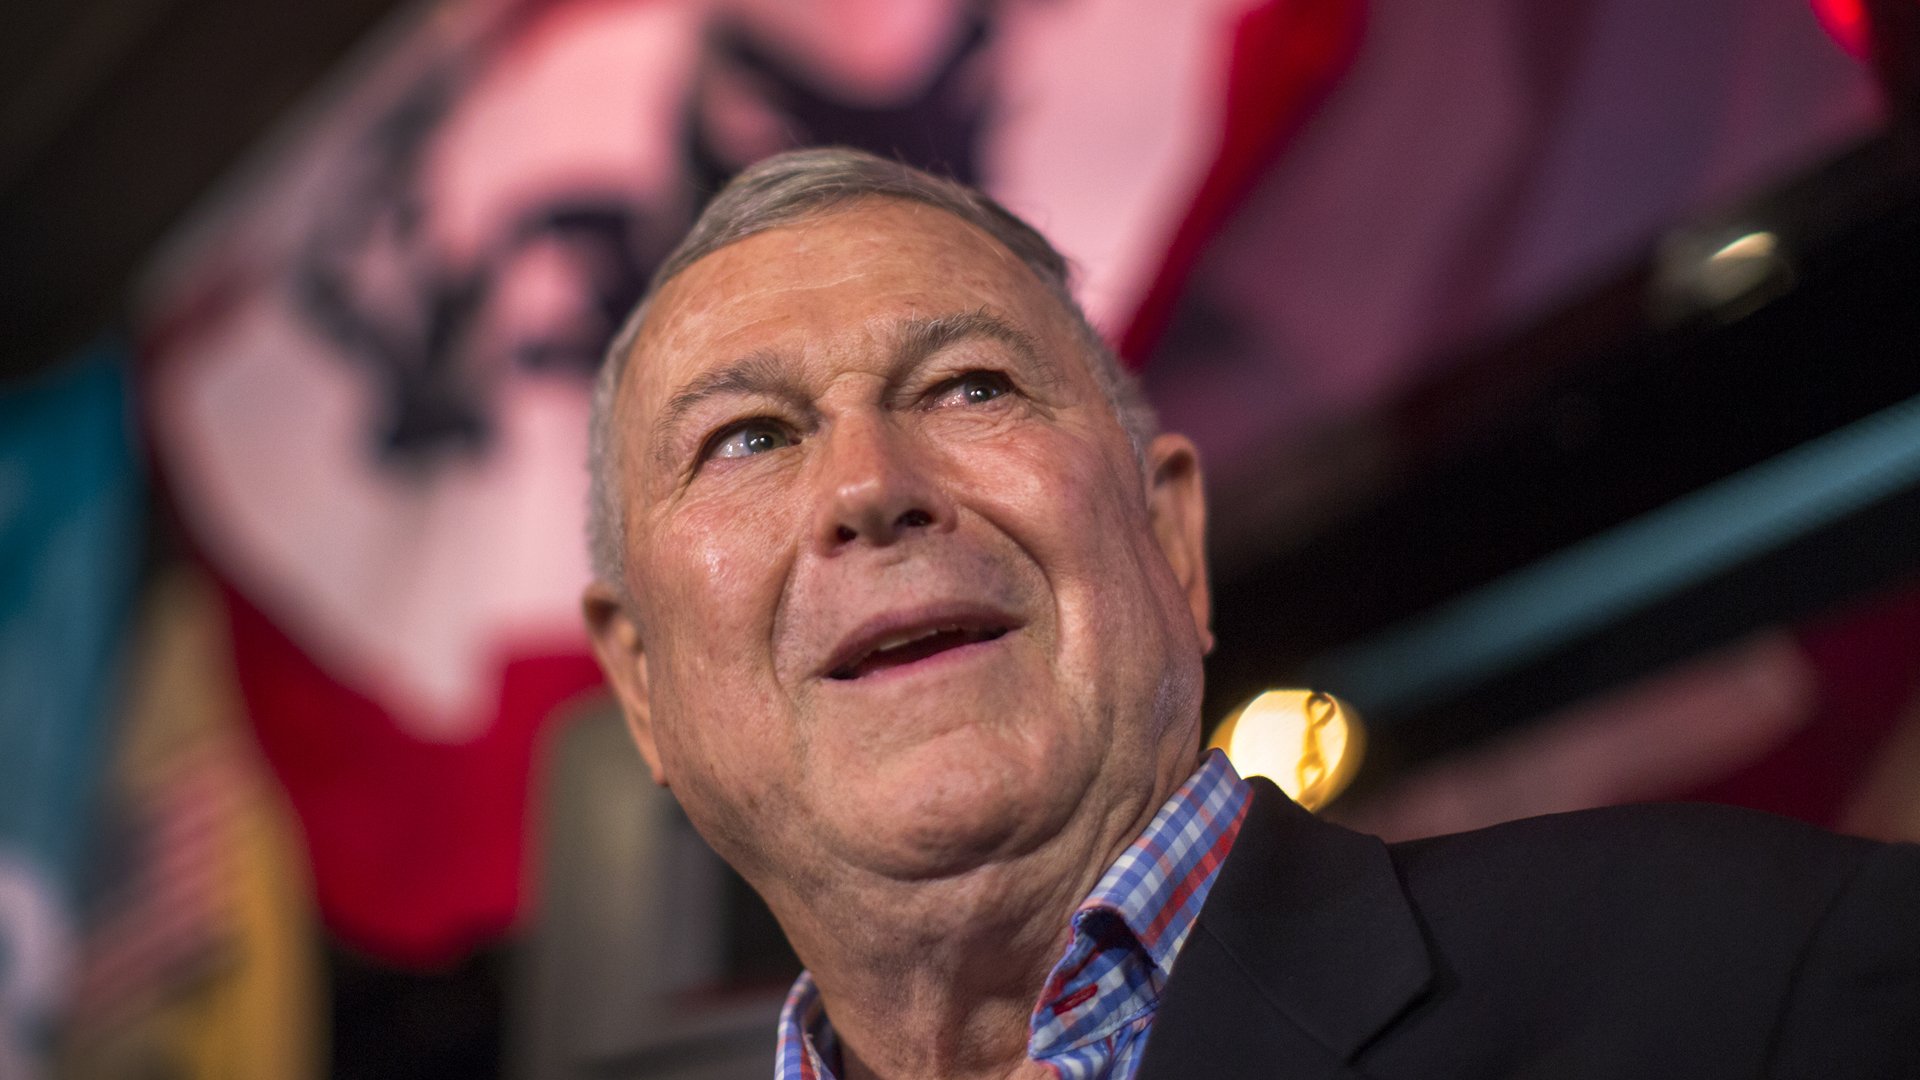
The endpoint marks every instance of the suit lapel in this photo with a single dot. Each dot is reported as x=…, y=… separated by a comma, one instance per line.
x=1306, y=948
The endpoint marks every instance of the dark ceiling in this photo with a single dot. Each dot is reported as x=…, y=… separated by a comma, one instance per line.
x=115, y=116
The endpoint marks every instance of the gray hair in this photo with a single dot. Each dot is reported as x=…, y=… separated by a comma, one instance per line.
x=796, y=186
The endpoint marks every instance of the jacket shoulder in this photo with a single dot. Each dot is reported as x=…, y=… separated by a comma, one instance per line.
x=1686, y=928
x=1666, y=851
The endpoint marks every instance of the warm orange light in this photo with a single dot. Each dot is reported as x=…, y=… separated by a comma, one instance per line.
x=1308, y=743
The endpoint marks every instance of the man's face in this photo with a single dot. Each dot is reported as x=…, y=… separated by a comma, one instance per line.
x=904, y=602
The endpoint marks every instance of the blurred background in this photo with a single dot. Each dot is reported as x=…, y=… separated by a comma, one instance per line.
x=1554, y=365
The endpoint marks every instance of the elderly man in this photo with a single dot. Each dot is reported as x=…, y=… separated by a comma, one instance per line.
x=904, y=598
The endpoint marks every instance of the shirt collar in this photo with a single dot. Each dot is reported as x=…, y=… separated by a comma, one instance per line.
x=804, y=1033
x=1155, y=888
x=1157, y=885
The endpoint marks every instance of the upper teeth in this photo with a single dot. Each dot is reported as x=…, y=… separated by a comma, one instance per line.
x=896, y=640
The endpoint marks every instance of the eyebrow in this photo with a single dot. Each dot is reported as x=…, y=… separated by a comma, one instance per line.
x=764, y=373
x=920, y=338
x=757, y=374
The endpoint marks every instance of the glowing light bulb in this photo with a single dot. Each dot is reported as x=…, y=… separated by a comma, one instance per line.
x=1308, y=743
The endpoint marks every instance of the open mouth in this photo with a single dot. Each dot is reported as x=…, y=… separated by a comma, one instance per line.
x=901, y=649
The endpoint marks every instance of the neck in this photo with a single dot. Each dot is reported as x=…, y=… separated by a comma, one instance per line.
x=959, y=1007
x=938, y=978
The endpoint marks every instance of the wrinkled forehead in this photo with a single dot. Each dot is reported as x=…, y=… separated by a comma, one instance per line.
x=854, y=270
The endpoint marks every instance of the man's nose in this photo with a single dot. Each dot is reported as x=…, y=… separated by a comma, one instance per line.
x=876, y=486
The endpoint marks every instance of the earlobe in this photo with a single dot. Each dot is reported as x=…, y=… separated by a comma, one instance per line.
x=618, y=647
x=1177, y=502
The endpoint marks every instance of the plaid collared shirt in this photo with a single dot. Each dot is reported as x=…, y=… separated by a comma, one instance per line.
x=1099, y=1001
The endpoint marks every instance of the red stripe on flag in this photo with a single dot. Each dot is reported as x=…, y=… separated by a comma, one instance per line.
x=1286, y=56
x=416, y=847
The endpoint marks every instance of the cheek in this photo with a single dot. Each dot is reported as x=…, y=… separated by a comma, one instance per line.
x=733, y=784
x=1064, y=497
x=1077, y=507
x=718, y=720
x=717, y=581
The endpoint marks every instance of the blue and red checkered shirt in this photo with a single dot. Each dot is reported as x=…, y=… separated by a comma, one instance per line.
x=1099, y=1001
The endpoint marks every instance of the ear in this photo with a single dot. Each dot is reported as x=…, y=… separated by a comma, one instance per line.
x=1178, y=507
x=623, y=659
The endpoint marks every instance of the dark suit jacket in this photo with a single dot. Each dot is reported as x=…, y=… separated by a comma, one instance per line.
x=1656, y=941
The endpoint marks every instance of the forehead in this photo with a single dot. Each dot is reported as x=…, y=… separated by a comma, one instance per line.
x=823, y=283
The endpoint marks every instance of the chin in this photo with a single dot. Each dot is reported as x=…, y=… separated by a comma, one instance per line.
x=936, y=818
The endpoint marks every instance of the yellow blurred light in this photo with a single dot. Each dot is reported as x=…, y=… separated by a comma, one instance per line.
x=1308, y=743
x=1754, y=245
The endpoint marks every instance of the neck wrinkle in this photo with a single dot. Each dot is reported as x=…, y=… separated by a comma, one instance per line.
x=948, y=990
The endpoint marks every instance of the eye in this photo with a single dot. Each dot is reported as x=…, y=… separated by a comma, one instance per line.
x=973, y=388
x=748, y=438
